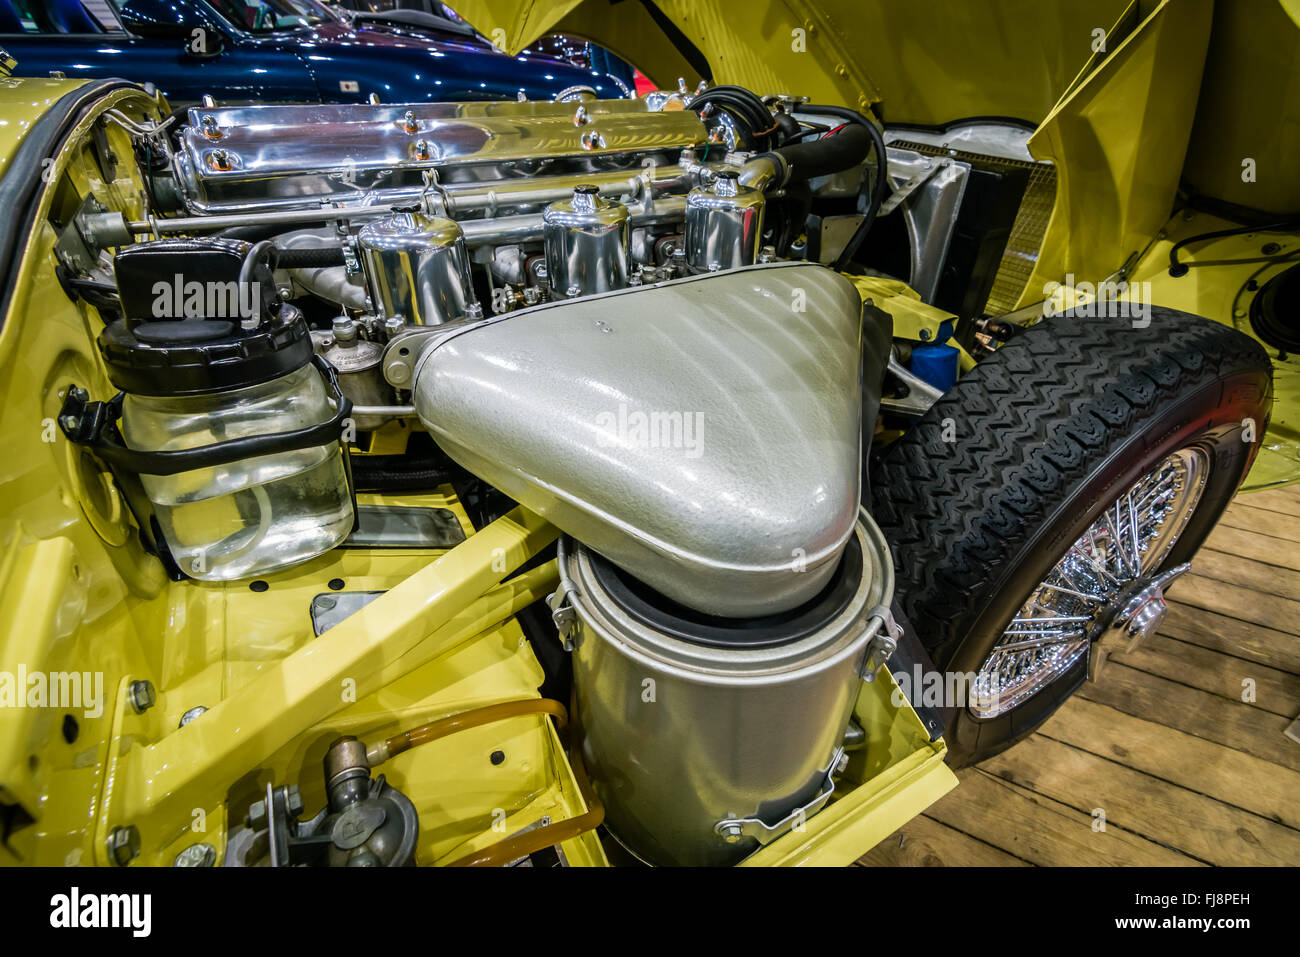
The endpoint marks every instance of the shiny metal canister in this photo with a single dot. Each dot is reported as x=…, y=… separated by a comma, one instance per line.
x=417, y=267
x=703, y=752
x=586, y=238
x=724, y=224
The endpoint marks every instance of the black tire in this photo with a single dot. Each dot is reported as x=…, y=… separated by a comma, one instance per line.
x=1043, y=435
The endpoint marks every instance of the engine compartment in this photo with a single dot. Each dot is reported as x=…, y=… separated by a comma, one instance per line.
x=464, y=307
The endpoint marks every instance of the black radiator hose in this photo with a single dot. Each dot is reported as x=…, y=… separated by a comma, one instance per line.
x=881, y=182
x=830, y=154
x=310, y=257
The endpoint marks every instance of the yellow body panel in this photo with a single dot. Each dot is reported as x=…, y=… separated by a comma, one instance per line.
x=1118, y=139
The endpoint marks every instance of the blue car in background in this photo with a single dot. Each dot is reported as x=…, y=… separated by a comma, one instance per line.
x=272, y=50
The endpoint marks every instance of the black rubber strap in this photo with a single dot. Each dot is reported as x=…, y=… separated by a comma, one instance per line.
x=94, y=425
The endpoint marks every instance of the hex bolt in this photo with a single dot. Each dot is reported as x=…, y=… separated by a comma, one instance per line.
x=257, y=815
x=731, y=833
x=196, y=855
x=193, y=713
x=142, y=696
x=124, y=845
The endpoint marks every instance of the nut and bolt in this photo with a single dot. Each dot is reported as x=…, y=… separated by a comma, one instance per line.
x=345, y=330
x=142, y=696
x=293, y=805
x=732, y=833
x=124, y=845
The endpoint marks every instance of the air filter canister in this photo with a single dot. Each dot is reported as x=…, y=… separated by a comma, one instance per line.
x=706, y=738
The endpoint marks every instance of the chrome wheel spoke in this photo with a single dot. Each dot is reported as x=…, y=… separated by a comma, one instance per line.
x=1056, y=625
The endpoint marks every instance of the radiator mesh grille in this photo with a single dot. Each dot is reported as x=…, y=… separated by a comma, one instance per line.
x=1027, y=231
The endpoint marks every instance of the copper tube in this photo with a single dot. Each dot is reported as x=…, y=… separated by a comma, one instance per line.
x=463, y=721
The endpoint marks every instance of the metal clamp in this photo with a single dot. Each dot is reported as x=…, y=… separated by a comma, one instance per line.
x=733, y=830
x=885, y=635
x=564, y=615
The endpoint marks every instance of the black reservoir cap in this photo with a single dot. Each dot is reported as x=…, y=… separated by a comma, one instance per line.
x=191, y=326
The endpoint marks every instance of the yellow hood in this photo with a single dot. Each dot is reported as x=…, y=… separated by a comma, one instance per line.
x=909, y=61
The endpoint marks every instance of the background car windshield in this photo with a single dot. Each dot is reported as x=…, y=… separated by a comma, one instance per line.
x=264, y=16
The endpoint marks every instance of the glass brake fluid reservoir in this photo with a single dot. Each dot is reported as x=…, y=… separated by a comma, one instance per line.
x=196, y=384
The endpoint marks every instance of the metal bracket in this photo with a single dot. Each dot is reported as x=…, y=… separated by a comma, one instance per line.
x=920, y=394
x=564, y=616
x=908, y=187
x=734, y=830
x=884, y=641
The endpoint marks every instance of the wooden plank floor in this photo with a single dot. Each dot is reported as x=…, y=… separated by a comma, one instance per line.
x=1182, y=744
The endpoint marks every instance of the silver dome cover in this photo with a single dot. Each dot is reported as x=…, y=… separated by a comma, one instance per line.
x=703, y=434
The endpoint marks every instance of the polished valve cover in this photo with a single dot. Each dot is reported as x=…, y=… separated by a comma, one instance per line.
x=703, y=434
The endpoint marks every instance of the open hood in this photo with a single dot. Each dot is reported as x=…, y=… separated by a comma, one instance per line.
x=1009, y=58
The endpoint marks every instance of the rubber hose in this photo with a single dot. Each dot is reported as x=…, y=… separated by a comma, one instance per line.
x=463, y=721
x=256, y=231
x=262, y=253
x=529, y=842
x=830, y=154
x=370, y=478
x=310, y=257
x=747, y=107
x=882, y=174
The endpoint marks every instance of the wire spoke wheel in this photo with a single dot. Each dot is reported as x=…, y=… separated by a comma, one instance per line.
x=1119, y=552
x=1039, y=508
